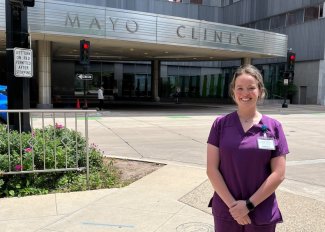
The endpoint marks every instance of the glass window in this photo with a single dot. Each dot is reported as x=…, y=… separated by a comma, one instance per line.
x=295, y=17
x=251, y=25
x=248, y=25
x=263, y=24
x=311, y=13
x=278, y=21
x=136, y=80
x=226, y=2
x=174, y=0
x=107, y=80
x=196, y=2
x=142, y=85
x=128, y=85
x=321, y=7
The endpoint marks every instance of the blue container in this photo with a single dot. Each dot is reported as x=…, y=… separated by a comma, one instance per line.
x=3, y=101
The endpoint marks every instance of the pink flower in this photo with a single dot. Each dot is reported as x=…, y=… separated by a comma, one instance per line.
x=18, y=167
x=93, y=145
x=58, y=126
x=28, y=149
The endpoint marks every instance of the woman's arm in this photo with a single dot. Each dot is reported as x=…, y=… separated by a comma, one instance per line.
x=268, y=187
x=278, y=167
x=215, y=176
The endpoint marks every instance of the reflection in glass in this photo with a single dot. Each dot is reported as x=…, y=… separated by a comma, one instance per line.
x=295, y=17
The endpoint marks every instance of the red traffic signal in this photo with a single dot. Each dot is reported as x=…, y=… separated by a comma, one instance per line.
x=84, y=52
x=85, y=45
x=291, y=59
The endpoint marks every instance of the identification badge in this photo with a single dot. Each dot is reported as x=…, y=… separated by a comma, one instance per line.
x=266, y=143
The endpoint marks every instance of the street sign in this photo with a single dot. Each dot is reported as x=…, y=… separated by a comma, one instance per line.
x=23, y=62
x=85, y=77
x=286, y=81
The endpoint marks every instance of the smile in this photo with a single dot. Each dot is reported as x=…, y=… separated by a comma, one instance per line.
x=245, y=99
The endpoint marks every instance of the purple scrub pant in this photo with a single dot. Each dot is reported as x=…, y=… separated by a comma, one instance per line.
x=233, y=226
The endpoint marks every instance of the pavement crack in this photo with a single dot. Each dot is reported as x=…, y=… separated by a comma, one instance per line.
x=126, y=142
x=168, y=219
x=171, y=131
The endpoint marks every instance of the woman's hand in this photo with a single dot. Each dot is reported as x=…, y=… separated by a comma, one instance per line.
x=244, y=220
x=238, y=209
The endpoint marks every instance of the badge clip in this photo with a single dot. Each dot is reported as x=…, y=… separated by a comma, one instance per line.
x=265, y=142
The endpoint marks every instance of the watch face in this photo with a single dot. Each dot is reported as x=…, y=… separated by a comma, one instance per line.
x=249, y=205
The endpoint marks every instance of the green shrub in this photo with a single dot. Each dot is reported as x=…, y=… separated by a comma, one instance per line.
x=41, y=146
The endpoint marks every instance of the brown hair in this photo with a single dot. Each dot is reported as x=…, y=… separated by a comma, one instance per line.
x=252, y=71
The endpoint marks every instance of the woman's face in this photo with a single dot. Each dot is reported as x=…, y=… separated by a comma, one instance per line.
x=246, y=91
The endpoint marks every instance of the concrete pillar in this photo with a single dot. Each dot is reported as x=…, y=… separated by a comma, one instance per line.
x=44, y=60
x=246, y=60
x=155, y=74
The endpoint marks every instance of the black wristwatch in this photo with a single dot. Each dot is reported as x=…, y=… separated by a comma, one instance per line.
x=250, y=206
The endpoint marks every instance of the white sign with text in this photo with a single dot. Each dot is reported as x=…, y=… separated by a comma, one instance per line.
x=23, y=62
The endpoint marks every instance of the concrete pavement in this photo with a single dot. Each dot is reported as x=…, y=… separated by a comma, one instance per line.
x=150, y=204
x=174, y=198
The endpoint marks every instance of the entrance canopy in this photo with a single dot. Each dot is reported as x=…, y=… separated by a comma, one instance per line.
x=117, y=34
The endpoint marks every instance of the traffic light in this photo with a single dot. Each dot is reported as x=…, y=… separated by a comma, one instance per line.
x=84, y=52
x=291, y=59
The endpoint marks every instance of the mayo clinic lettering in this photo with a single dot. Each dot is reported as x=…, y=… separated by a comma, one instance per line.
x=168, y=30
x=132, y=26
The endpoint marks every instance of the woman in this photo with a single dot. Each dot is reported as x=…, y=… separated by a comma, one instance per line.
x=246, y=160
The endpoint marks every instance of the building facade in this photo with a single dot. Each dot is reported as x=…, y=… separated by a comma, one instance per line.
x=151, y=49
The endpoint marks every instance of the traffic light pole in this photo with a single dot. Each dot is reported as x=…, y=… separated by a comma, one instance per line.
x=85, y=106
x=288, y=75
x=84, y=61
x=18, y=87
x=284, y=104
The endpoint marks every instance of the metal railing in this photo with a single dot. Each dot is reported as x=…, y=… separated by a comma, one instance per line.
x=58, y=131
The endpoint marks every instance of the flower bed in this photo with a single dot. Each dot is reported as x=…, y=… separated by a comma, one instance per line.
x=50, y=149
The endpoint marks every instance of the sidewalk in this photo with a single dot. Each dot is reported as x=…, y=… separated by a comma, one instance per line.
x=150, y=204
x=173, y=198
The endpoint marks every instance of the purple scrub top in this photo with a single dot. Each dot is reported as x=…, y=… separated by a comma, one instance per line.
x=244, y=166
